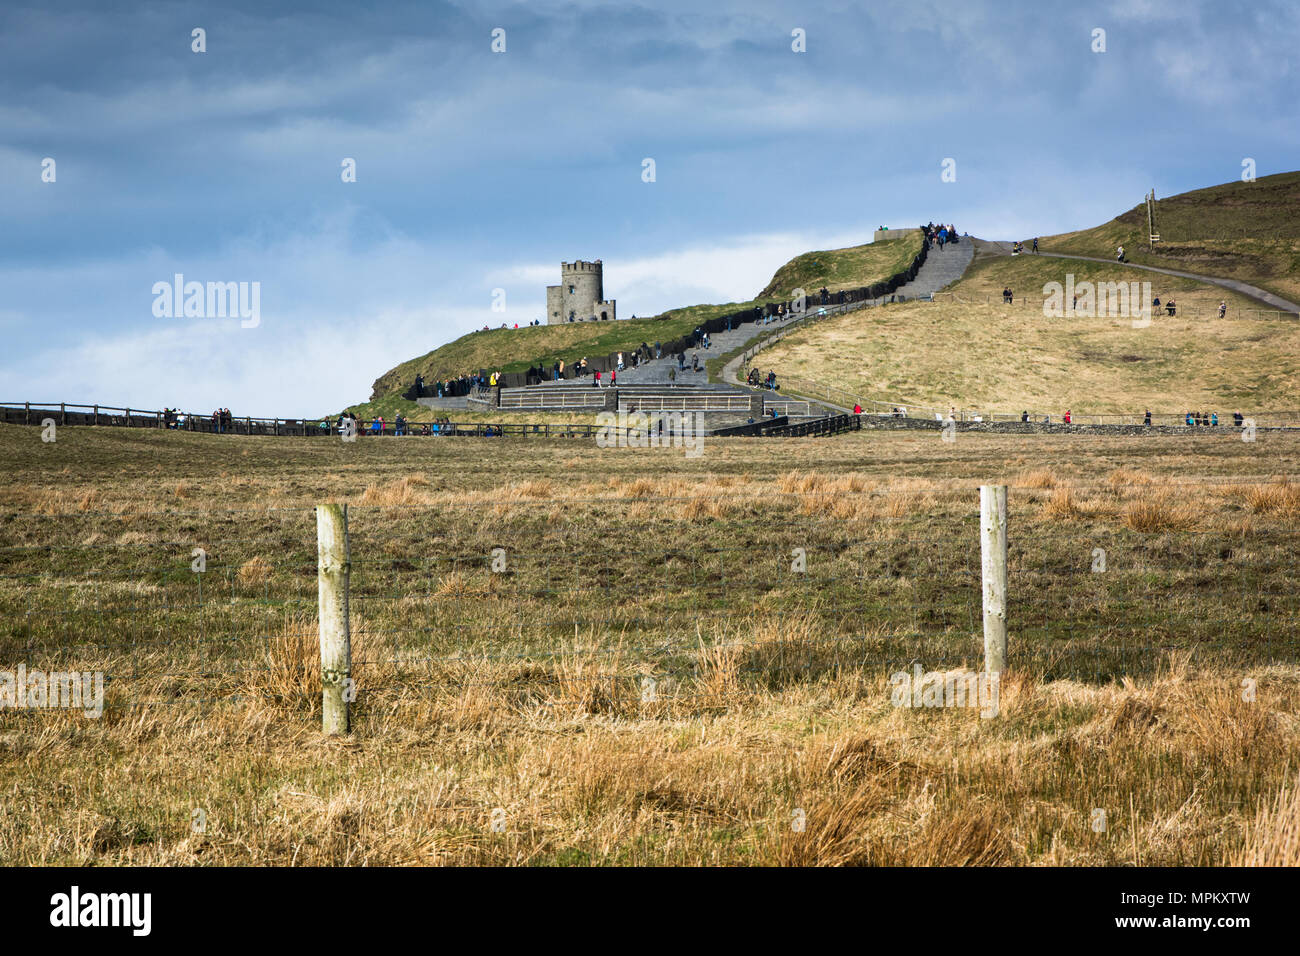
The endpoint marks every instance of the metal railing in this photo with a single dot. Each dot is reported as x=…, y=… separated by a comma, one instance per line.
x=693, y=403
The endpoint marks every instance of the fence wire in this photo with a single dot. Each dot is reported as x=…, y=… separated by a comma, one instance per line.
x=625, y=602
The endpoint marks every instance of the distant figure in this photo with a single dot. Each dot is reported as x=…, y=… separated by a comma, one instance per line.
x=1067, y=416
x=1214, y=419
x=1119, y=254
x=1223, y=309
x=1146, y=419
x=1035, y=245
x=1007, y=296
x=857, y=409
x=1024, y=416
x=1170, y=307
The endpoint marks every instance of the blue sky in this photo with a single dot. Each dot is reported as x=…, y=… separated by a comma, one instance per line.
x=479, y=170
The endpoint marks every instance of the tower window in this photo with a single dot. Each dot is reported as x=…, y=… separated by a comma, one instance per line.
x=570, y=290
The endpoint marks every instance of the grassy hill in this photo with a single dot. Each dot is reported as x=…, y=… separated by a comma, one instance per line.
x=515, y=350
x=971, y=351
x=1246, y=231
x=848, y=268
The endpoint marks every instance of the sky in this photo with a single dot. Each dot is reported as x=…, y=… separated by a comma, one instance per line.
x=479, y=169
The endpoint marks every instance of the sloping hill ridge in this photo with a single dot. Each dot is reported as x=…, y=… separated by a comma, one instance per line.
x=1239, y=230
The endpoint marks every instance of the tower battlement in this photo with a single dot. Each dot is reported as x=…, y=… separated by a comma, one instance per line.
x=580, y=266
x=580, y=296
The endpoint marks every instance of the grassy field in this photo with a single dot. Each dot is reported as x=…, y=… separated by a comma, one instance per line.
x=960, y=351
x=523, y=693
x=516, y=350
x=1247, y=231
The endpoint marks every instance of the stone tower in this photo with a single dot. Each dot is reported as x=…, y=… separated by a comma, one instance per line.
x=580, y=297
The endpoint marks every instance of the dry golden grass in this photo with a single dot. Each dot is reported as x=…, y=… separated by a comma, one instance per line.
x=404, y=491
x=1061, y=505
x=1280, y=498
x=1159, y=513
x=254, y=572
x=1122, y=478
x=1037, y=478
x=1274, y=837
x=776, y=700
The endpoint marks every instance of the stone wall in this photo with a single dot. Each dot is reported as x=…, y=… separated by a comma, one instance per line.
x=886, y=423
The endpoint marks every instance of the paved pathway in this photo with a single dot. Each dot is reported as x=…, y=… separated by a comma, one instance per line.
x=1255, y=293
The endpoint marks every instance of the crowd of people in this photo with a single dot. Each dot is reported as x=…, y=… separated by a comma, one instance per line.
x=1192, y=419
x=449, y=388
x=939, y=236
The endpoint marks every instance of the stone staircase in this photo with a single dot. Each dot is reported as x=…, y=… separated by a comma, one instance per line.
x=942, y=267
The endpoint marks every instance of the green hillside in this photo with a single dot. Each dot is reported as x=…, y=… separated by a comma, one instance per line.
x=516, y=350
x=1237, y=230
x=848, y=268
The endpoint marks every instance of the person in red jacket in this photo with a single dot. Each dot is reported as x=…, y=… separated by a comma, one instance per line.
x=1067, y=416
x=857, y=409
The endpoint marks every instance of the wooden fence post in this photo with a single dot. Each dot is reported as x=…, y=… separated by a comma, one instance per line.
x=334, y=567
x=993, y=567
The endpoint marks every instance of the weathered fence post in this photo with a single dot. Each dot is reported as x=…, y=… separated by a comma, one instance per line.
x=993, y=567
x=334, y=566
